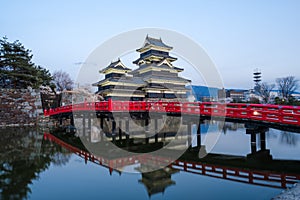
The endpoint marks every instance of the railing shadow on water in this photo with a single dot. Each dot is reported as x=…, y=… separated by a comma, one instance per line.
x=27, y=153
x=257, y=168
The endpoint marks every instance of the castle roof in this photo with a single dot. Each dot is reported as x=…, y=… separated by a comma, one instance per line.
x=163, y=66
x=126, y=80
x=154, y=54
x=166, y=79
x=115, y=65
x=150, y=41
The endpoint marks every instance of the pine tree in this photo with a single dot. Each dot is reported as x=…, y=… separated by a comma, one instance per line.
x=44, y=77
x=17, y=69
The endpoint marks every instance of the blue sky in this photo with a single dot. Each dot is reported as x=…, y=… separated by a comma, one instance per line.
x=239, y=36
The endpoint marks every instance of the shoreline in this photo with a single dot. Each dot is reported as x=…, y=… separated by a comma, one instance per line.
x=292, y=193
x=32, y=124
x=18, y=125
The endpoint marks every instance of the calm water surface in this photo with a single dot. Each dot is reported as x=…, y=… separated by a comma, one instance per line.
x=35, y=168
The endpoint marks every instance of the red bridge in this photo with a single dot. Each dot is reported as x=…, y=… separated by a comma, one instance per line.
x=286, y=115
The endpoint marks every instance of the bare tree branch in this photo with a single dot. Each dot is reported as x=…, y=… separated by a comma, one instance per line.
x=287, y=85
x=62, y=81
x=265, y=90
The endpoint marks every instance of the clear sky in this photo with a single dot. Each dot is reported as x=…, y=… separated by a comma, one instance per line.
x=239, y=36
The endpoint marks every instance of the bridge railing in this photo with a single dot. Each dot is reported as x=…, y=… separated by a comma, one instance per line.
x=265, y=112
x=260, y=112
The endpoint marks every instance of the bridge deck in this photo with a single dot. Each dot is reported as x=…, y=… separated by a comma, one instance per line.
x=286, y=115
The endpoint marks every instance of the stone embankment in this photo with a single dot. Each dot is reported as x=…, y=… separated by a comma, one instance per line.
x=20, y=107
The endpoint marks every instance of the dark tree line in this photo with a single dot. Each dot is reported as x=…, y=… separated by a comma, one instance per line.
x=17, y=69
x=286, y=87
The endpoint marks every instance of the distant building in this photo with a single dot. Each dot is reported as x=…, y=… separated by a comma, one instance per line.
x=277, y=93
x=296, y=95
x=222, y=95
x=257, y=80
x=237, y=95
x=203, y=93
x=155, y=79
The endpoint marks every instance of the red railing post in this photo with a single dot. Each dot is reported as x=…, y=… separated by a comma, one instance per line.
x=280, y=114
x=297, y=114
x=283, y=181
x=110, y=105
x=201, y=108
x=249, y=111
x=263, y=113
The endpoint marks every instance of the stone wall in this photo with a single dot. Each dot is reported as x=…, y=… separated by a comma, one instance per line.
x=20, y=107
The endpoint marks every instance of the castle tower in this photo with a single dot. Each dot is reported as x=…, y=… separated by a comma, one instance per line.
x=118, y=85
x=157, y=70
x=156, y=78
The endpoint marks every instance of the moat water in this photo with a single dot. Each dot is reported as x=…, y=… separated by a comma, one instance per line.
x=34, y=167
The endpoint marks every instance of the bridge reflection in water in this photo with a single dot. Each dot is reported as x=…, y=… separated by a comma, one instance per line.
x=257, y=168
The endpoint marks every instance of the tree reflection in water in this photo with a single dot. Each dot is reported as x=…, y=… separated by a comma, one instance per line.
x=23, y=156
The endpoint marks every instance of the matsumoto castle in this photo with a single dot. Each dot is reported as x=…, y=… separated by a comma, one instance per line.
x=155, y=78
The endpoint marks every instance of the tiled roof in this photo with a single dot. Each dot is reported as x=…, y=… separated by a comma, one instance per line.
x=119, y=90
x=164, y=66
x=156, y=42
x=159, y=55
x=147, y=78
x=116, y=65
x=134, y=80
